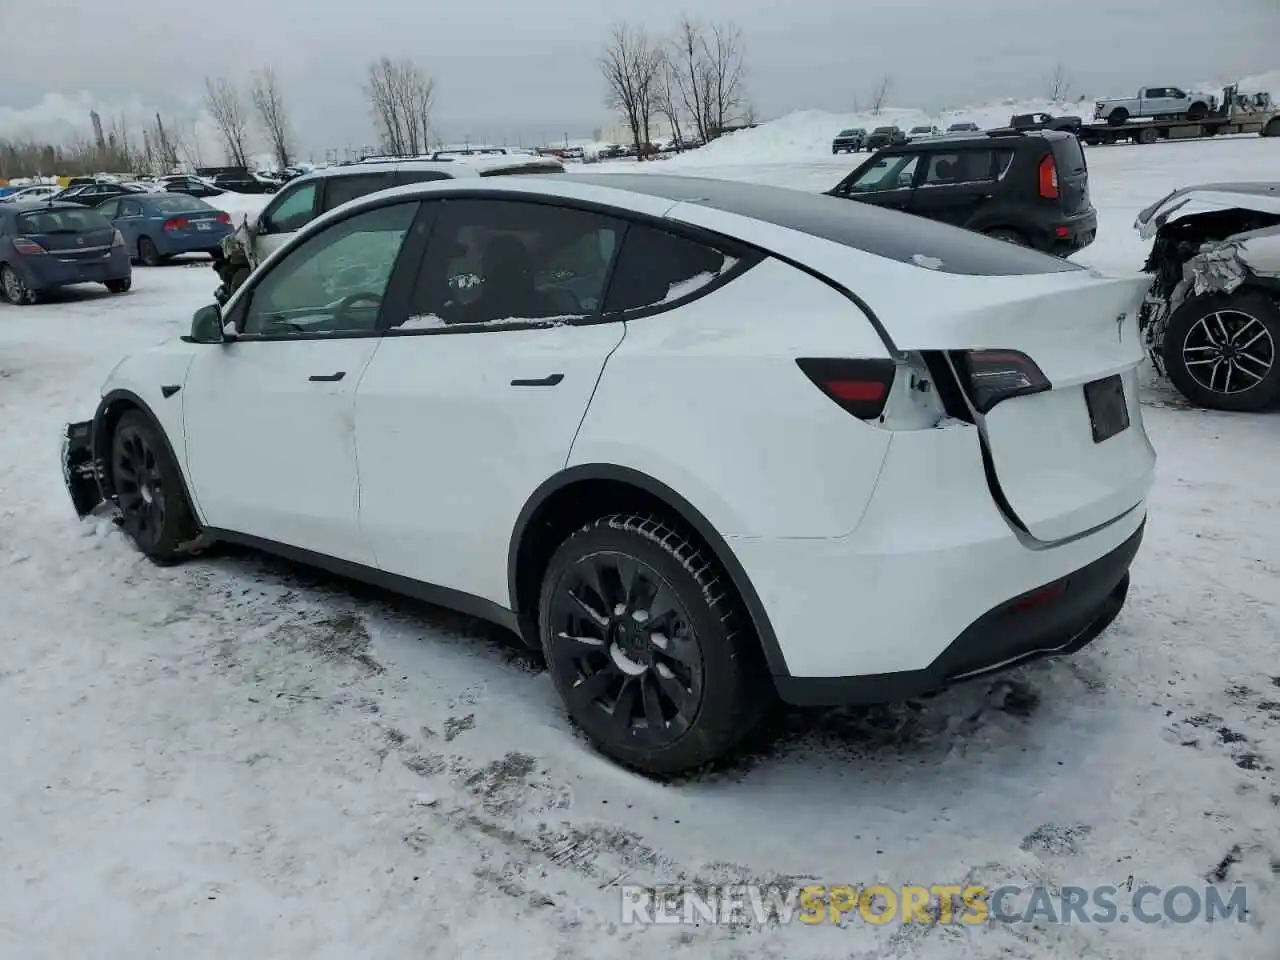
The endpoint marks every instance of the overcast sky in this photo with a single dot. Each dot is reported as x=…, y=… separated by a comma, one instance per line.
x=506, y=69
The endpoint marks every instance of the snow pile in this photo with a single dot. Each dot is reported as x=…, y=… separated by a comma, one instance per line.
x=797, y=137
x=240, y=205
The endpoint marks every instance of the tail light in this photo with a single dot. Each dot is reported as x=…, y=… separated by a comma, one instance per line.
x=117, y=239
x=224, y=218
x=1049, y=178
x=991, y=376
x=28, y=247
x=176, y=223
x=861, y=387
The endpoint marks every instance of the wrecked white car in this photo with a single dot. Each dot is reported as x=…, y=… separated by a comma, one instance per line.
x=1212, y=318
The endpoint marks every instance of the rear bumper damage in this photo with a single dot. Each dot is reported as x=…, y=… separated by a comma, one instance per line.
x=82, y=471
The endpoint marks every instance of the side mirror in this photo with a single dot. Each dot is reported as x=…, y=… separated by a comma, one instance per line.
x=206, y=325
x=262, y=224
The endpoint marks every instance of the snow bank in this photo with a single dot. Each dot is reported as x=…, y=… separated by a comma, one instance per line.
x=797, y=137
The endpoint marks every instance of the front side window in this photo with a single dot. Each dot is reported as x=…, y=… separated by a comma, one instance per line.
x=109, y=209
x=963, y=166
x=657, y=268
x=511, y=262
x=887, y=173
x=334, y=282
x=293, y=211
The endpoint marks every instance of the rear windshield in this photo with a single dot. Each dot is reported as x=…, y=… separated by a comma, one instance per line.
x=885, y=129
x=62, y=221
x=848, y=133
x=1069, y=155
x=179, y=204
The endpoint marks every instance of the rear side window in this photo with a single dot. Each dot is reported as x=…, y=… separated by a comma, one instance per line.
x=420, y=176
x=62, y=221
x=1069, y=156
x=963, y=166
x=656, y=269
x=340, y=190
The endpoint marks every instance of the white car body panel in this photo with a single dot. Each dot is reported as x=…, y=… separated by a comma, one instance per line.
x=672, y=405
x=272, y=454
x=1264, y=197
x=450, y=450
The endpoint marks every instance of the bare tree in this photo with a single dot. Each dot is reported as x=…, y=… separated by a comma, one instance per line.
x=186, y=144
x=667, y=98
x=632, y=68
x=880, y=93
x=688, y=70
x=268, y=102
x=226, y=106
x=1059, y=84
x=723, y=55
x=401, y=95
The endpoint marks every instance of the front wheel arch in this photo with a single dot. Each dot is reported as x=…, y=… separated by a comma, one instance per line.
x=557, y=506
x=111, y=408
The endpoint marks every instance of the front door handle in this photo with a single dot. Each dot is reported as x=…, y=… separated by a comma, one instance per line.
x=331, y=378
x=548, y=381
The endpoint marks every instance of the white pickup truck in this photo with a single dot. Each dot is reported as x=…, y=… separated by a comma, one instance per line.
x=1156, y=102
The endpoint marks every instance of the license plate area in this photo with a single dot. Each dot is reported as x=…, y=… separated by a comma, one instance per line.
x=201, y=225
x=1108, y=409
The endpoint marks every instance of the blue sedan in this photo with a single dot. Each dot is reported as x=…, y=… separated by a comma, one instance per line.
x=157, y=226
x=48, y=245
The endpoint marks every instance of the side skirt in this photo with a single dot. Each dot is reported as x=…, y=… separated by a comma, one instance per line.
x=450, y=599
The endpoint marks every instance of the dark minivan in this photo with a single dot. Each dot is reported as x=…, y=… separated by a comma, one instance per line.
x=1028, y=188
x=48, y=245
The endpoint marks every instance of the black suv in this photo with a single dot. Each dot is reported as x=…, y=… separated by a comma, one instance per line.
x=1027, y=188
x=882, y=137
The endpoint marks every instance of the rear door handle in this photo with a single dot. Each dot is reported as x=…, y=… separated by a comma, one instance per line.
x=331, y=378
x=548, y=381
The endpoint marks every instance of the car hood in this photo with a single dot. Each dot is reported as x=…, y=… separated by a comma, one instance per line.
x=1261, y=196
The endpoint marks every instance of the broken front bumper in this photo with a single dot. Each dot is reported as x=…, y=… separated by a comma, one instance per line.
x=81, y=471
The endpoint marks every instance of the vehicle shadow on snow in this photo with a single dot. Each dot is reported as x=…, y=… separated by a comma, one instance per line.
x=923, y=730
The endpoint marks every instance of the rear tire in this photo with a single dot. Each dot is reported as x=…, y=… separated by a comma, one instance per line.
x=1193, y=355
x=119, y=286
x=148, y=486
x=148, y=254
x=1009, y=236
x=15, y=289
x=648, y=646
x=1118, y=117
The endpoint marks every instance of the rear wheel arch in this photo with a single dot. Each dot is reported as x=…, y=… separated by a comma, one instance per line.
x=582, y=494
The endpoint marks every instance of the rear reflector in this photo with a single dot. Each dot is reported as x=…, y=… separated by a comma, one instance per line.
x=27, y=247
x=990, y=376
x=1049, y=178
x=1037, y=598
x=861, y=387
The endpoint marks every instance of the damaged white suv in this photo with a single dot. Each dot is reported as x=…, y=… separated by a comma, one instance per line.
x=1212, y=318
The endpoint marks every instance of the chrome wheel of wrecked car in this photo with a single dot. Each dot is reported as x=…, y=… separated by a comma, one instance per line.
x=1220, y=351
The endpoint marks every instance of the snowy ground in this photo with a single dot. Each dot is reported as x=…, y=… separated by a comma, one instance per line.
x=237, y=757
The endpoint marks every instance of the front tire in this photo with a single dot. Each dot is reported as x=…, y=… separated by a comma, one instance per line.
x=648, y=647
x=1220, y=351
x=1198, y=111
x=154, y=510
x=122, y=285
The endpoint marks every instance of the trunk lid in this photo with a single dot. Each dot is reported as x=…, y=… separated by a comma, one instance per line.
x=1056, y=477
x=71, y=233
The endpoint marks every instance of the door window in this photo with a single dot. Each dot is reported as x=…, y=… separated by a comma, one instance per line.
x=334, y=282
x=293, y=211
x=887, y=173
x=657, y=268
x=340, y=190
x=109, y=209
x=420, y=176
x=963, y=166
x=500, y=261
x=128, y=208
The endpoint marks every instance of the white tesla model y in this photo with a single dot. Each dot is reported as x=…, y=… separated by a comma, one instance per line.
x=701, y=442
